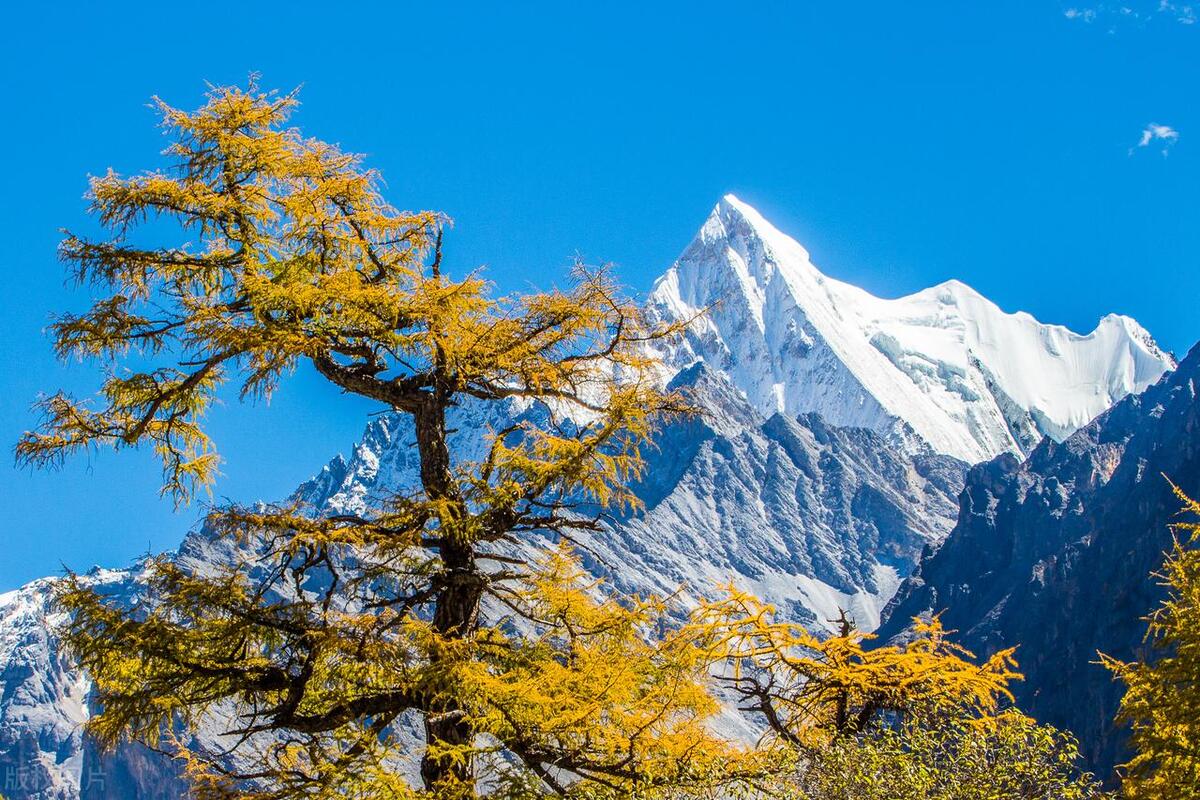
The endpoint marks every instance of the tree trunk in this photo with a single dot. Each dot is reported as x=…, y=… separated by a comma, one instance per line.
x=456, y=607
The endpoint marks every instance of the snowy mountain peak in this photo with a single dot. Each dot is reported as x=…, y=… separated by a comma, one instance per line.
x=944, y=363
x=733, y=219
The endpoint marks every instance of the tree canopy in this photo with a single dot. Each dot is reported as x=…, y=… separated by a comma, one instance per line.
x=285, y=253
x=811, y=688
x=942, y=756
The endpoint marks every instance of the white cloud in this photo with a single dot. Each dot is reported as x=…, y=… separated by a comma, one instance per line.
x=1154, y=132
x=1139, y=11
x=1185, y=13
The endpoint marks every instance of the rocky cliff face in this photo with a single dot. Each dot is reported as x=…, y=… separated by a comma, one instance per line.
x=43, y=701
x=1055, y=555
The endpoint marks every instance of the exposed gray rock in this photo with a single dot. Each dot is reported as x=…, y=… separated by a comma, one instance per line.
x=1055, y=555
x=809, y=516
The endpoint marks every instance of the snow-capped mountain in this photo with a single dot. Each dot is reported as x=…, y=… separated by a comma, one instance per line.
x=830, y=455
x=43, y=700
x=946, y=363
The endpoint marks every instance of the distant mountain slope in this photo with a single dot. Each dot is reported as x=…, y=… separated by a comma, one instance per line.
x=1055, y=555
x=43, y=700
x=810, y=516
x=968, y=378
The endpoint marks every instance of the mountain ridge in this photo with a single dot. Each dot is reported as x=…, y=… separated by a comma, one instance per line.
x=813, y=506
x=944, y=362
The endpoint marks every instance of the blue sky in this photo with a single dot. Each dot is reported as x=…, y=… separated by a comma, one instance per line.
x=902, y=143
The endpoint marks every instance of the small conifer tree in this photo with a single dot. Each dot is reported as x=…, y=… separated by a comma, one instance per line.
x=813, y=689
x=923, y=720
x=1162, y=697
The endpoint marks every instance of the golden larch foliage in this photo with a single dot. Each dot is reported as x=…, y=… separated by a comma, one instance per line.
x=338, y=625
x=811, y=689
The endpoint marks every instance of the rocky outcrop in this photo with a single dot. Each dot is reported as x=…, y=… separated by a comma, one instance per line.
x=1055, y=555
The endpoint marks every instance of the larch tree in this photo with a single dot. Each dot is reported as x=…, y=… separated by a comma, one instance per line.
x=812, y=690
x=286, y=254
x=919, y=721
x=1162, y=695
